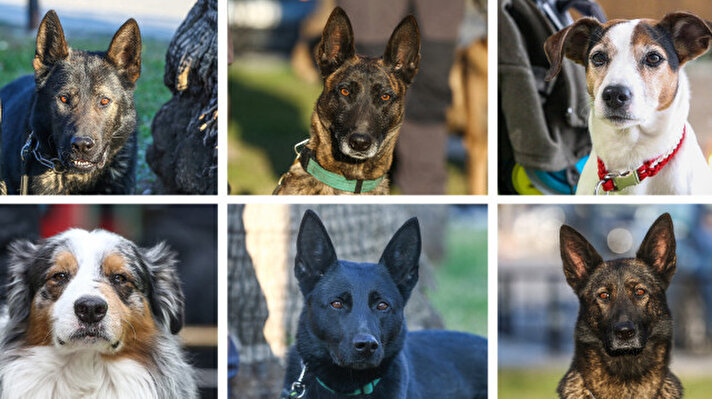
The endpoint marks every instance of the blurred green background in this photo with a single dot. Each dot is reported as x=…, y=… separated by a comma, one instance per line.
x=17, y=49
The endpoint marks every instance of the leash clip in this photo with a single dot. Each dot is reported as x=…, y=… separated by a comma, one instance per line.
x=298, y=147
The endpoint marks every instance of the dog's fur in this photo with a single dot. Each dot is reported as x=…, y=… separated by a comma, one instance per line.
x=91, y=315
x=352, y=329
x=644, y=58
x=357, y=118
x=80, y=108
x=623, y=334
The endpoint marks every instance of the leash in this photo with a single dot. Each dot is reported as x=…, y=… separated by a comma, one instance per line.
x=617, y=181
x=298, y=389
x=27, y=149
x=306, y=158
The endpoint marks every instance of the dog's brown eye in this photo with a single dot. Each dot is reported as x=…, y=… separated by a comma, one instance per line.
x=385, y=97
x=64, y=99
x=60, y=277
x=118, y=279
x=599, y=58
x=345, y=92
x=382, y=306
x=337, y=304
x=104, y=101
x=653, y=59
x=604, y=295
x=640, y=292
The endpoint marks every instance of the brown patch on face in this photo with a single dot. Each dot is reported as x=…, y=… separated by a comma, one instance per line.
x=137, y=330
x=39, y=328
x=661, y=81
x=114, y=264
x=596, y=74
x=64, y=262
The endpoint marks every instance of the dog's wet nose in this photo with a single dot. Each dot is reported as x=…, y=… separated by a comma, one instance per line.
x=365, y=343
x=90, y=309
x=624, y=330
x=82, y=144
x=360, y=142
x=617, y=96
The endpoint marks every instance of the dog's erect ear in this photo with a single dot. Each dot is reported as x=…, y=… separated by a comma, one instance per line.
x=337, y=43
x=125, y=50
x=578, y=255
x=572, y=42
x=315, y=252
x=403, y=50
x=51, y=46
x=167, y=300
x=22, y=254
x=658, y=248
x=402, y=255
x=690, y=34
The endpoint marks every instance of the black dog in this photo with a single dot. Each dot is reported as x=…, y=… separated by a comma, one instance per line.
x=71, y=129
x=624, y=329
x=352, y=340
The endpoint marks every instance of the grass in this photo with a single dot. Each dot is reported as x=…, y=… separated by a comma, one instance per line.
x=461, y=294
x=541, y=384
x=270, y=111
x=17, y=49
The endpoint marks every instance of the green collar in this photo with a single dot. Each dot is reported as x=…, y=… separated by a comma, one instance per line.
x=332, y=179
x=364, y=390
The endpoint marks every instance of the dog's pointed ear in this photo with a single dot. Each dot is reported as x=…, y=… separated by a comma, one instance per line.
x=22, y=254
x=690, y=34
x=315, y=252
x=658, y=248
x=578, y=255
x=572, y=42
x=402, y=256
x=337, y=43
x=403, y=49
x=51, y=46
x=167, y=301
x=125, y=50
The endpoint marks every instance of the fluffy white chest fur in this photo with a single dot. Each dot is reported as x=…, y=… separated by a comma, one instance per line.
x=44, y=373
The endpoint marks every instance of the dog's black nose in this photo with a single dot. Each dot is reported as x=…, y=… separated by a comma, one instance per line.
x=617, y=96
x=90, y=309
x=365, y=343
x=624, y=330
x=360, y=142
x=82, y=144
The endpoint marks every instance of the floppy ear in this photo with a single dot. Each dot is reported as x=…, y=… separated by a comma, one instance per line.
x=166, y=292
x=51, y=46
x=658, y=248
x=337, y=43
x=572, y=42
x=19, y=294
x=578, y=255
x=690, y=34
x=125, y=50
x=315, y=252
x=403, y=50
x=402, y=255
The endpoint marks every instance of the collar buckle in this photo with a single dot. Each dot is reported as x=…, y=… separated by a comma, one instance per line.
x=620, y=181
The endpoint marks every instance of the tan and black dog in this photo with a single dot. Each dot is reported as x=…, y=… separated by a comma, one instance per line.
x=624, y=329
x=358, y=115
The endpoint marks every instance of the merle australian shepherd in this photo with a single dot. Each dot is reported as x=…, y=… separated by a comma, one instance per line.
x=91, y=315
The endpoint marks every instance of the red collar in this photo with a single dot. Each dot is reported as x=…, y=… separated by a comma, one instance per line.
x=614, y=181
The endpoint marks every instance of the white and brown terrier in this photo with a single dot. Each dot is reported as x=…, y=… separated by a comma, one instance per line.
x=640, y=100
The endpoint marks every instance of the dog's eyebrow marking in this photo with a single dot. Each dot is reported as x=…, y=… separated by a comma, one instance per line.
x=391, y=79
x=64, y=261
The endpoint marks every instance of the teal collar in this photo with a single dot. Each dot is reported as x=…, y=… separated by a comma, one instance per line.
x=332, y=179
x=364, y=390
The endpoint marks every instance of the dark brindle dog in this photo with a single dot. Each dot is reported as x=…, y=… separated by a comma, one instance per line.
x=358, y=115
x=624, y=330
x=71, y=129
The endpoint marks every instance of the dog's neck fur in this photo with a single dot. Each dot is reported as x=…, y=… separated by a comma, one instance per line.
x=369, y=169
x=627, y=149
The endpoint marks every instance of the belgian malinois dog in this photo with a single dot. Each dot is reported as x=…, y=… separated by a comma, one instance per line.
x=358, y=115
x=623, y=334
